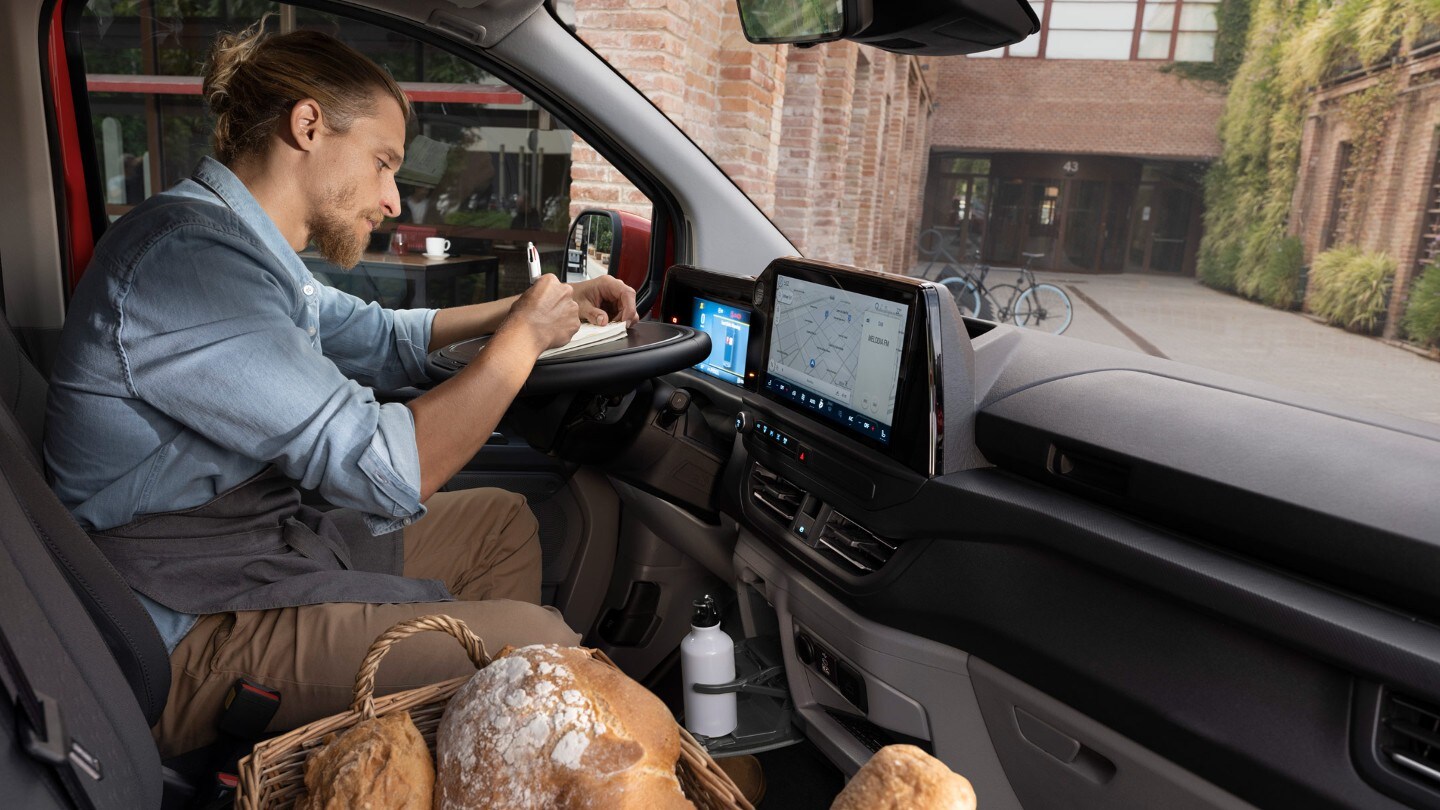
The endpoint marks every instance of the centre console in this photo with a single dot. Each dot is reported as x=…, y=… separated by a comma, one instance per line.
x=861, y=358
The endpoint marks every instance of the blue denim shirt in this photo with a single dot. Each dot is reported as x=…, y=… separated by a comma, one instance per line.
x=198, y=350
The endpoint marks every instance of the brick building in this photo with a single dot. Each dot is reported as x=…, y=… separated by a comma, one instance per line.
x=1392, y=206
x=829, y=141
x=1076, y=144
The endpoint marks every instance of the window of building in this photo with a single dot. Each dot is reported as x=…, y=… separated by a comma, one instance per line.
x=1429, y=250
x=1175, y=30
x=1344, y=188
x=485, y=167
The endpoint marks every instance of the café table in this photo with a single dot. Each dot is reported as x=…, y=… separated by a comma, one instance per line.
x=417, y=270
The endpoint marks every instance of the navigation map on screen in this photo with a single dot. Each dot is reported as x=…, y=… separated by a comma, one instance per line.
x=837, y=353
x=729, y=330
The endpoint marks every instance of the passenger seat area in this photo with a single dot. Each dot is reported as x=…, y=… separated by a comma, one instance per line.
x=82, y=659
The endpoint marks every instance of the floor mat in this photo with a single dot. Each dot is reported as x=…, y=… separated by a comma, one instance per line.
x=799, y=777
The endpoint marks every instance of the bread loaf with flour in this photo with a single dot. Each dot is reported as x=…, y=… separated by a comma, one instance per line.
x=380, y=764
x=903, y=777
x=551, y=727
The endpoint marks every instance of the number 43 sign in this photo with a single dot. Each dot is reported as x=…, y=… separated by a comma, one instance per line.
x=1070, y=167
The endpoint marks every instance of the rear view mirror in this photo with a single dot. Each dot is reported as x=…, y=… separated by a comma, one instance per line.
x=931, y=27
x=802, y=22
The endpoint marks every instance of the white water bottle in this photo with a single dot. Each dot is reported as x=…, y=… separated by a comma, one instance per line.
x=707, y=656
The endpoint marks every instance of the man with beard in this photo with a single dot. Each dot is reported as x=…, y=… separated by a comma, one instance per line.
x=204, y=372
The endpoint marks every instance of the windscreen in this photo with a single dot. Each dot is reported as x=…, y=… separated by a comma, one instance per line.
x=837, y=353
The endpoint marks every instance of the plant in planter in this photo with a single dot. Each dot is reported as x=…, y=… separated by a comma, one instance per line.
x=1422, y=313
x=1276, y=280
x=1351, y=287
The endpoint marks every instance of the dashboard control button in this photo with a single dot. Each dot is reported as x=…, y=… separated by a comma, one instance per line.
x=743, y=423
x=825, y=663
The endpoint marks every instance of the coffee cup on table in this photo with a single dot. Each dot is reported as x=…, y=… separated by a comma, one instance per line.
x=437, y=246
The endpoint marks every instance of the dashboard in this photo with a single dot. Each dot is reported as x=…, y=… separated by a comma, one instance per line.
x=848, y=352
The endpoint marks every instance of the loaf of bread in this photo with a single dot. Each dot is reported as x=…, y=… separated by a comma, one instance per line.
x=551, y=727
x=903, y=777
x=380, y=764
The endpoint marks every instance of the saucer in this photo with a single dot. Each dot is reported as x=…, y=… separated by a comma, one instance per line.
x=436, y=255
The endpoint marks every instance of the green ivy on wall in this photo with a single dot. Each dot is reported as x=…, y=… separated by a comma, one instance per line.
x=1292, y=46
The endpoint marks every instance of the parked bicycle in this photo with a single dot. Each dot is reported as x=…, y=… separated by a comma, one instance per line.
x=1029, y=304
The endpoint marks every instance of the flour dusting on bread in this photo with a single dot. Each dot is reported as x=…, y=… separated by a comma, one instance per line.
x=536, y=728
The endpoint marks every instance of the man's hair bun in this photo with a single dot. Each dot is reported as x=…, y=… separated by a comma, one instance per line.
x=230, y=53
x=253, y=79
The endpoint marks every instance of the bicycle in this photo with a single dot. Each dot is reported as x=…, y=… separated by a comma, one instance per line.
x=1029, y=304
x=966, y=288
x=1037, y=305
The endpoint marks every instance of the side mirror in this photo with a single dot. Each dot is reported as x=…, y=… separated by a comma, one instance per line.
x=604, y=242
x=594, y=245
x=803, y=22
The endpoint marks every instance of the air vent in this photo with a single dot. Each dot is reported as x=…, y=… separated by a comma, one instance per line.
x=774, y=495
x=854, y=545
x=1410, y=737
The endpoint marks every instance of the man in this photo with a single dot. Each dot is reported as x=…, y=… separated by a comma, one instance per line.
x=204, y=370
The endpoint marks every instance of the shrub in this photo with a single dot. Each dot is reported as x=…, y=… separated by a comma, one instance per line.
x=1350, y=287
x=1217, y=265
x=1275, y=279
x=1290, y=48
x=1422, y=313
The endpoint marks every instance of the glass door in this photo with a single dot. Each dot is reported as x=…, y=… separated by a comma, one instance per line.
x=1160, y=229
x=1084, y=214
x=1025, y=219
x=1171, y=229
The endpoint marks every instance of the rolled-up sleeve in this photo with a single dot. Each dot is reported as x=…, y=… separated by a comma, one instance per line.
x=210, y=334
x=378, y=347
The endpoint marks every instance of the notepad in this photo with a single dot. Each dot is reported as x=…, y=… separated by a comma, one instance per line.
x=589, y=335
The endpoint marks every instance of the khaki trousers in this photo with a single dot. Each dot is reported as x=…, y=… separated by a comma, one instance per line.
x=482, y=543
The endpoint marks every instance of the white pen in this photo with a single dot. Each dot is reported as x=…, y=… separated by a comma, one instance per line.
x=532, y=256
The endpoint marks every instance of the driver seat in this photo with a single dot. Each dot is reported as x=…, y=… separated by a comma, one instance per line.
x=128, y=632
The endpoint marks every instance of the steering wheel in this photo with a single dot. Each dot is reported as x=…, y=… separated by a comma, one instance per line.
x=649, y=349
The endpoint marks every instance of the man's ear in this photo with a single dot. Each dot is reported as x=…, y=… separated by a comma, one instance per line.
x=307, y=124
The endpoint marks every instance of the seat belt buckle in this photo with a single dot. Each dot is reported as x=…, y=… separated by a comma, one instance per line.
x=249, y=708
x=49, y=744
x=221, y=795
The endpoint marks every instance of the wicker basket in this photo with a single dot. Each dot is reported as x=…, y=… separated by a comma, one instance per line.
x=272, y=777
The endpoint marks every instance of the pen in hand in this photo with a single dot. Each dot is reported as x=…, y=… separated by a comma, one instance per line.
x=532, y=257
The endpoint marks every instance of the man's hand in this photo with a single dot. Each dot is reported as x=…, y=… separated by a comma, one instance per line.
x=604, y=299
x=549, y=312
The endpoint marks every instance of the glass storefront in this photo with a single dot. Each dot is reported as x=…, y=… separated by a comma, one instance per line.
x=1089, y=214
x=485, y=166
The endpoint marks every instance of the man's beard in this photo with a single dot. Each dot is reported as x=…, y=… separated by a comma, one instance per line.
x=333, y=232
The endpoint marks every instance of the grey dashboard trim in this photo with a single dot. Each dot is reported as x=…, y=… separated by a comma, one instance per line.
x=918, y=672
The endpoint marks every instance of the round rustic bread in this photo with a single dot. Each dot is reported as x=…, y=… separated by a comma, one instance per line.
x=903, y=777
x=551, y=727
x=381, y=764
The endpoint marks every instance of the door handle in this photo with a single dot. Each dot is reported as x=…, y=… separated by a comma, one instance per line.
x=1066, y=750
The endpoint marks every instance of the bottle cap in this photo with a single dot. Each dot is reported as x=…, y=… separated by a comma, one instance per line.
x=706, y=613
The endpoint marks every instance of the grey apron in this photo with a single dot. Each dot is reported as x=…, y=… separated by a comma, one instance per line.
x=256, y=547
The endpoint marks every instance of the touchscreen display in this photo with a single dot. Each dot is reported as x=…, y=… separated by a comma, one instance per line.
x=729, y=330
x=837, y=353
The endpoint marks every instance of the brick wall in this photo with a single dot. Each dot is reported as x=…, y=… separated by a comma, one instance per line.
x=1396, y=195
x=829, y=141
x=1075, y=106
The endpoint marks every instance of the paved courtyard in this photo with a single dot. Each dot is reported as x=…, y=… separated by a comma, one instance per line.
x=1185, y=321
